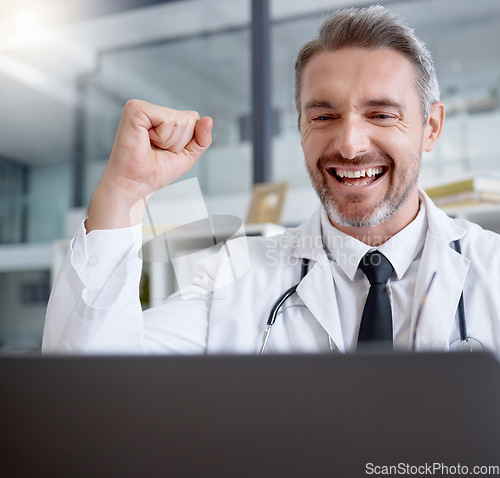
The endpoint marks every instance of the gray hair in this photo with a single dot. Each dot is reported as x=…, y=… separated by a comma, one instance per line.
x=372, y=28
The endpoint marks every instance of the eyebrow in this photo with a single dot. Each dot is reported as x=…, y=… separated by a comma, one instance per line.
x=384, y=103
x=315, y=104
x=374, y=103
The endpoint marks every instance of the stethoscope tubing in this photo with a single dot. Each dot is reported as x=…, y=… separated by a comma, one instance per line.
x=281, y=300
x=275, y=308
x=462, y=325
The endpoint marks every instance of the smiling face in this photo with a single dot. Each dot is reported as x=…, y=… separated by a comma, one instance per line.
x=363, y=134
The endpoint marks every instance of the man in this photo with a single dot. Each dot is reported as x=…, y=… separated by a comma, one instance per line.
x=368, y=104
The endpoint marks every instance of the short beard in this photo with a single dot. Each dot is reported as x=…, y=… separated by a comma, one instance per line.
x=382, y=211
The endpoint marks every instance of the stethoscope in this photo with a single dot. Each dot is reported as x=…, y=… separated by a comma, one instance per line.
x=462, y=344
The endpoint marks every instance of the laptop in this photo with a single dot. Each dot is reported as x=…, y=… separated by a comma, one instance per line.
x=239, y=416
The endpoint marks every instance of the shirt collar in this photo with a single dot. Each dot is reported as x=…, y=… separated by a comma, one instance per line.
x=401, y=249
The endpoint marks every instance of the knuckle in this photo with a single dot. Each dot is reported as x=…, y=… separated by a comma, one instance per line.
x=193, y=115
x=132, y=105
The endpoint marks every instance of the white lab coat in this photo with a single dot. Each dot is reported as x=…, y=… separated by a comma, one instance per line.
x=233, y=317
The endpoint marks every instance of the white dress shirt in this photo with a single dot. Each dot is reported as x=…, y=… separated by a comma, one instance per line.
x=403, y=251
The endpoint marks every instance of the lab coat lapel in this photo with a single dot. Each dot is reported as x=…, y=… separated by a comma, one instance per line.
x=317, y=291
x=438, y=255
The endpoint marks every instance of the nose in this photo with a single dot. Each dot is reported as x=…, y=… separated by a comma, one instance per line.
x=352, y=137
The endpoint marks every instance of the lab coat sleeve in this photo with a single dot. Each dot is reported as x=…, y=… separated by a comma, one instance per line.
x=95, y=308
x=95, y=293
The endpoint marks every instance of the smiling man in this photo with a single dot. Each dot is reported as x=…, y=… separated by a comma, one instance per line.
x=354, y=274
x=363, y=134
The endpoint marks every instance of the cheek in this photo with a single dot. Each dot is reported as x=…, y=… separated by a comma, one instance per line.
x=405, y=141
x=402, y=148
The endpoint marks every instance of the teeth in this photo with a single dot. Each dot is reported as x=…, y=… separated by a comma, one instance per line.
x=341, y=173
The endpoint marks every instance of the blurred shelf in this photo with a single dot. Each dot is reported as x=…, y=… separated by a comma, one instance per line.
x=25, y=257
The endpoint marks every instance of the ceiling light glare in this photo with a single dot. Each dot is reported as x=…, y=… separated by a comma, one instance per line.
x=26, y=21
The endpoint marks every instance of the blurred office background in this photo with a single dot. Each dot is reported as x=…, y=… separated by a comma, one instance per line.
x=67, y=69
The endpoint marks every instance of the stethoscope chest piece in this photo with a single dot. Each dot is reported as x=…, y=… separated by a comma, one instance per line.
x=469, y=345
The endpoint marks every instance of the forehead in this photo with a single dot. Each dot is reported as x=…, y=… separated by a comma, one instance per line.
x=353, y=74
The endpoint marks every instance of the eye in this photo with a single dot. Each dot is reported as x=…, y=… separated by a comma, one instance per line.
x=321, y=118
x=383, y=117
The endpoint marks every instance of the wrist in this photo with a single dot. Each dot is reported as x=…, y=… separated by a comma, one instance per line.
x=113, y=207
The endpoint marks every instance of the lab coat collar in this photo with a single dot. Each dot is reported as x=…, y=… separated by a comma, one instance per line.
x=440, y=225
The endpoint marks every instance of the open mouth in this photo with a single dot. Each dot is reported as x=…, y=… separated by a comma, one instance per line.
x=358, y=177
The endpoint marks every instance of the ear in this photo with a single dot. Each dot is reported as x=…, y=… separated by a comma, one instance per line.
x=433, y=126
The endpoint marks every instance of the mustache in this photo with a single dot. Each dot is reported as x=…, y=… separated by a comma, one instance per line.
x=361, y=160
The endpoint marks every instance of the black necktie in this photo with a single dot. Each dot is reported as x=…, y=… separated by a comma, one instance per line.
x=376, y=321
